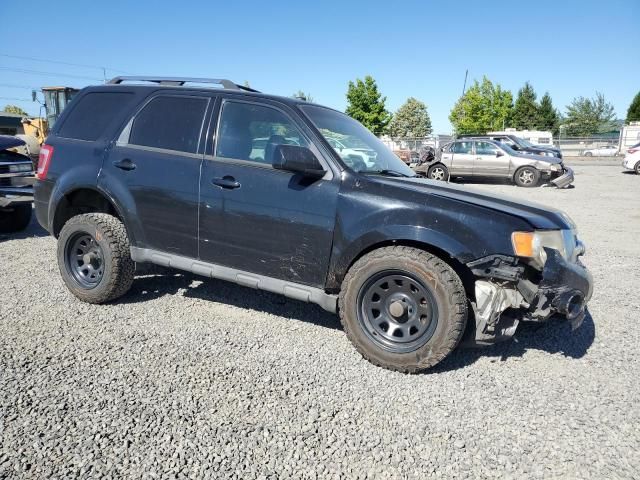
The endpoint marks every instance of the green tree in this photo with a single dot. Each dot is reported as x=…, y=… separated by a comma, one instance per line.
x=306, y=97
x=633, y=113
x=548, y=116
x=525, y=110
x=411, y=120
x=484, y=107
x=586, y=116
x=367, y=105
x=16, y=110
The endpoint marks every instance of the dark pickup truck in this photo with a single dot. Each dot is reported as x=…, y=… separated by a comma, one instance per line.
x=16, y=186
x=165, y=172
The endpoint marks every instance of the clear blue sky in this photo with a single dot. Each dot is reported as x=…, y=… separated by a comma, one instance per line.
x=420, y=49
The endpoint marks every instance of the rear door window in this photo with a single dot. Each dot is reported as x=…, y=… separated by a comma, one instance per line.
x=170, y=123
x=92, y=114
x=462, y=147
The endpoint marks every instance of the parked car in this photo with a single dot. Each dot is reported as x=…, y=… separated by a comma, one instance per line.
x=16, y=185
x=352, y=155
x=404, y=155
x=519, y=145
x=603, y=151
x=632, y=161
x=471, y=157
x=161, y=173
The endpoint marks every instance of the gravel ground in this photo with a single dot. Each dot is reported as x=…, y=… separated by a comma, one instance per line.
x=192, y=378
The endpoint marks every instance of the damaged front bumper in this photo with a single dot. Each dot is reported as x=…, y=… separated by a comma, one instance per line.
x=508, y=292
x=565, y=179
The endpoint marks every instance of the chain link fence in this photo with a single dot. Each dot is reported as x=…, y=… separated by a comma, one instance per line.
x=596, y=146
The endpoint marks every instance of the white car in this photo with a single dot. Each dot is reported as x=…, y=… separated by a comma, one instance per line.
x=632, y=161
x=351, y=155
x=604, y=151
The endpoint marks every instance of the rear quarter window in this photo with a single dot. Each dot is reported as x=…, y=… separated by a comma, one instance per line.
x=92, y=114
x=170, y=123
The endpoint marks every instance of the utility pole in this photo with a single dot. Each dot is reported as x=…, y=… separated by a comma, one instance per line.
x=464, y=86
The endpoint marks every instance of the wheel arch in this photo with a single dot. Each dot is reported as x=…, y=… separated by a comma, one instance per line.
x=436, y=243
x=84, y=199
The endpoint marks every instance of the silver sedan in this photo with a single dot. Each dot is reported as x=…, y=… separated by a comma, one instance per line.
x=488, y=158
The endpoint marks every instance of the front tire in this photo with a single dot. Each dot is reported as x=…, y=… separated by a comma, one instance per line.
x=638, y=168
x=438, y=172
x=15, y=219
x=94, y=258
x=588, y=154
x=402, y=308
x=527, y=177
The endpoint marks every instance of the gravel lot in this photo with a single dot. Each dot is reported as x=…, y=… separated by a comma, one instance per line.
x=186, y=377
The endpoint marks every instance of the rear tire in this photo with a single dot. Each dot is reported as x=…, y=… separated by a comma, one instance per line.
x=527, y=177
x=438, y=172
x=416, y=321
x=94, y=258
x=638, y=168
x=15, y=219
x=588, y=154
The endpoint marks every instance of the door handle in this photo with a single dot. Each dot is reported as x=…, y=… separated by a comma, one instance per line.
x=125, y=164
x=226, y=182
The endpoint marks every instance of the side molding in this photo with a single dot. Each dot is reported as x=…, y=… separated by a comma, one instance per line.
x=288, y=289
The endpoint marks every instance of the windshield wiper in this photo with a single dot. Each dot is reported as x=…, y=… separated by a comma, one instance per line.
x=388, y=171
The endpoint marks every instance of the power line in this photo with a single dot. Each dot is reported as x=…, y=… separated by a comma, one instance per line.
x=16, y=99
x=55, y=74
x=24, y=87
x=33, y=59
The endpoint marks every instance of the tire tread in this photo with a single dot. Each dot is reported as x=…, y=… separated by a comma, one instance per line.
x=446, y=275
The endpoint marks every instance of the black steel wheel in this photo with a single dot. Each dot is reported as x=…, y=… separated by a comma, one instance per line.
x=84, y=260
x=397, y=311
x=94, y=257
x=403, y=308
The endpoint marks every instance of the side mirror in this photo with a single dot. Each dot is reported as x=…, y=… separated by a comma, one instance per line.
x=499, y=153
x=298, y=160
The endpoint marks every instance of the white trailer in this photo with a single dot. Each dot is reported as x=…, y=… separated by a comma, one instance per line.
x=536, y=137
x=629, y=136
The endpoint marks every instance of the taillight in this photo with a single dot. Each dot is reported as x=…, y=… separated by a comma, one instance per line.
x=633, y=150
x=44, y=160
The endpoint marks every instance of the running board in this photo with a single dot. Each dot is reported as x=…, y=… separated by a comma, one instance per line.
x=288, y=289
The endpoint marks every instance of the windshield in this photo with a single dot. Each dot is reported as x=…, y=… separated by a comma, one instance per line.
x=360, y=149
x=525, y=143
x=507, y=148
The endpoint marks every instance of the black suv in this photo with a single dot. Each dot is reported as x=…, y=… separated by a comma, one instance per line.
x=519, y=144
x=16, y=190
x=165, y=172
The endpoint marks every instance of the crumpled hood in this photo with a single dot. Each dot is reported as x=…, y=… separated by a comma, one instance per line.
x=541, y=158
x=538, y=216
x=9, y=141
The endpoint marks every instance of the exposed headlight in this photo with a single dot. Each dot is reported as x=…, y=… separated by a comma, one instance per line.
x=532, y=244
x=20, y=167
x=555, y=167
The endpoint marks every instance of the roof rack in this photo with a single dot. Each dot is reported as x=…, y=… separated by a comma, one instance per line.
x=180, y=81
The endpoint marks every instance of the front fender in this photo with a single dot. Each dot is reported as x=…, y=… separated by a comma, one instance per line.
x=341, y=261
x=382, y=212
